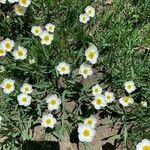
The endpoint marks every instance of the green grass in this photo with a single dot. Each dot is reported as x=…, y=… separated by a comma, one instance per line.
x=121, y=32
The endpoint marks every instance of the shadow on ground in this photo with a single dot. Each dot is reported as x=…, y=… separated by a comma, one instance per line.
x=108, y=146
x=41, y=145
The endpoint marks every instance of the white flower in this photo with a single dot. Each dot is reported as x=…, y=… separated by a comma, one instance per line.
x=84, y=18
x=96, y=90
x=92, y=54
x=24, y=3
x=24, y=99
x=99, y=102
x=90, y=11
x=19, y=10
x=91, y=121
x=2, y=52
x=53, y=102
x=46, y=37
x=2, y=69
x=126, y=101
x=63, y=68
x=26, y=88
x=144, y=145
x=48, y=121
x=3, y=1
x=36, y=30
x=129, y=86
x=8, y=86
x=31, y=61
x=20, y=53
x=7, y=44
x=50, y=27
x=144, y=103
x=85, y=70
x=12, y=1
x=86, y=133
x=109, y=97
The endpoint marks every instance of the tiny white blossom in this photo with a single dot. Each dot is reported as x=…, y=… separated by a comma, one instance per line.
x=129, y=86
x=36, y=30
x=53, y=102
x=91, y=121
x=24, y=3
x=26, y=88
x=84, y=18
x=8, y=86
x=20, y=53
x=50, y=27
x=46, y=37
x=91, y=54
x=19, y=10
x=48, y=121
x=90, y=11
x=96, y=90
x=85, y=70
x=144, y=103
x=99, y=102
x=126, y=101
x=109, y=97
x=63, y=68
x=24, y=99
x=86, y=133
x=7, y=44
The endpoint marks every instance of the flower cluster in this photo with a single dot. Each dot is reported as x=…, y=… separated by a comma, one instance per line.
x=24, y=98
x=53, y=104
x=20, y=53
x=87, y=129
x=101, y=100
x=46, y=35
x=89, y=12
x=21, y=7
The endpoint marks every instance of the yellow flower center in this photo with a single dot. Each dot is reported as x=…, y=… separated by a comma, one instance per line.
x=84, y=18
x=129, y=86
x=86, y=133
x=98, y=101
x=20, y=53
x=1, y=52
x=53, y=102
x=26, y=89
x=89, y=122
x=63, y=69
x=50, y=28
x=96, y=90
x=37, y=31
x=89, y=11
x=19, y=9
x=126, y=99
x=8, y=86
x=146, y=147
x=24, y=99
x=85, y=71
x=91, y=54
x=8, y=45
x=48, y=121
x=108, y=97
x=46, y=38
x=24, y=1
